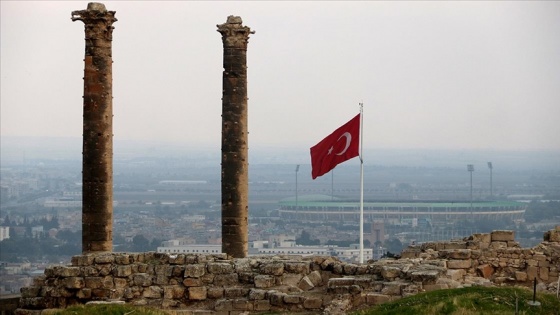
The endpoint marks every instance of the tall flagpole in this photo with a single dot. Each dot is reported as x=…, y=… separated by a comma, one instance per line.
x=361, y=184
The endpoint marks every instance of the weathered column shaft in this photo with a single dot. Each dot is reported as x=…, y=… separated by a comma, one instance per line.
x=97, y=160
x=235, y=166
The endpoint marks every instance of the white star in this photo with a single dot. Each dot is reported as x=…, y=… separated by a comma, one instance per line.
x=330, y=151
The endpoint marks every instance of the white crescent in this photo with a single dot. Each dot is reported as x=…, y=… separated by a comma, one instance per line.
x=348, y=140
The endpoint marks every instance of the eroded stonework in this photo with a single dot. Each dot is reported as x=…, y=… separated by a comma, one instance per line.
x=220, y=284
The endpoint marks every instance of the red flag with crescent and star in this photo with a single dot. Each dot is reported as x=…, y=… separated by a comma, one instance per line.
x=340, y=146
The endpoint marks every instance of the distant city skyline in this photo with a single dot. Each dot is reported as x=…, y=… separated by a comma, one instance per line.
x=441, y=75
x=30, y=150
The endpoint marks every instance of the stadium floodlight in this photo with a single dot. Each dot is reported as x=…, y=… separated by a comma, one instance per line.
x=297, y=170
x=470, y=168
x=490, y=167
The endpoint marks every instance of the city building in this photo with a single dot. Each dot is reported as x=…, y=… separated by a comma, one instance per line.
x=350, y=254
x=4, y=233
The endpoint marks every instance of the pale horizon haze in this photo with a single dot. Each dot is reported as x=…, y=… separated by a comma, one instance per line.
x=453, y=75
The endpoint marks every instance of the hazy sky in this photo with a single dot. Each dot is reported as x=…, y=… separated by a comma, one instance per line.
x=438, y=74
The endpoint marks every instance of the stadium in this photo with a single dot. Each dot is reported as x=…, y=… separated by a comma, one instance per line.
x=397, y=213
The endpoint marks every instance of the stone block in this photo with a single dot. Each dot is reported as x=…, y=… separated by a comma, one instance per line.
x=460, y=254
x=192, y=282
x=223, y=305
x=74, y=282
x=391, y=288
x=312, y=303
x=425, y=276
x=328, y=263
x=123, y=271
x=452, y=284
x=543, y=273
x=120, y=283
x=407, y=253
x=173, y=292
x=93, y=282
x=235, y=292
x=272, y=268
x=456, y=274
x=539, y=257
x=84, y=293
x=552, y=235
x=349, y=269
x=257, y=294
x=297, y=267
x=481, y=237
x=277, y=298
x=122, y=259
x=82, y=260
x=292, y=299
x=142, y=279
x=242, y=304
x=197, y=293
x=375, y=298
x=104, y=259
x=215, y=292
x=315, y=278
x=197, y=270
x=261, y=305
x=152, y=292
x=502, y=236
x=30, y=292
x=219, y=268
x=485, y=271
x=305, y=284
x=291, y=279
x=61, y=271
x=498, y=245
x=246, y=277
x=338, y=282
x=544, y=263
x=532, y=272
x=459, y=264
x=226, y=279
x=390, y=272
x=177, y=259
x=208, y=278
x=264, y=281
x=39, y=280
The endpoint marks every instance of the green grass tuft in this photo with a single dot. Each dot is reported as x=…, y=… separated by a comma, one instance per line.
x=469, y=301
x=109, y=309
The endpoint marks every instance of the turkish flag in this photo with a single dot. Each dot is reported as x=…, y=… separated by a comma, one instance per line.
x=341, y=145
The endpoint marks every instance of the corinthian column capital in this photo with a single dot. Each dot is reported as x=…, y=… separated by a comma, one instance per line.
x=234, y=34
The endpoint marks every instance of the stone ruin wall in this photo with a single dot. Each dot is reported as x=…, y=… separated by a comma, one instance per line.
x=217, y=284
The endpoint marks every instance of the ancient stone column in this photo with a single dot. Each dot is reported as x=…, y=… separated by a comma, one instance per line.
x=235, y=175
x=97, y=160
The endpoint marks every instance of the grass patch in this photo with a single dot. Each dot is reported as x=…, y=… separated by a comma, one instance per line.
x=109, y=309
x=469, y=301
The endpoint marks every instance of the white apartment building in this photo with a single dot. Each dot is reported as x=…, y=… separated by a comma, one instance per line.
x=349, y=254
x=4, y=233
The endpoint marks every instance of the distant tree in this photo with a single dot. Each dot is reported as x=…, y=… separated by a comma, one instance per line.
x=391, y=255
x=305, y=239
x=540, y=211
x=155, y=243
x=69, y=236
x=141, y=243
x=394, y=245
